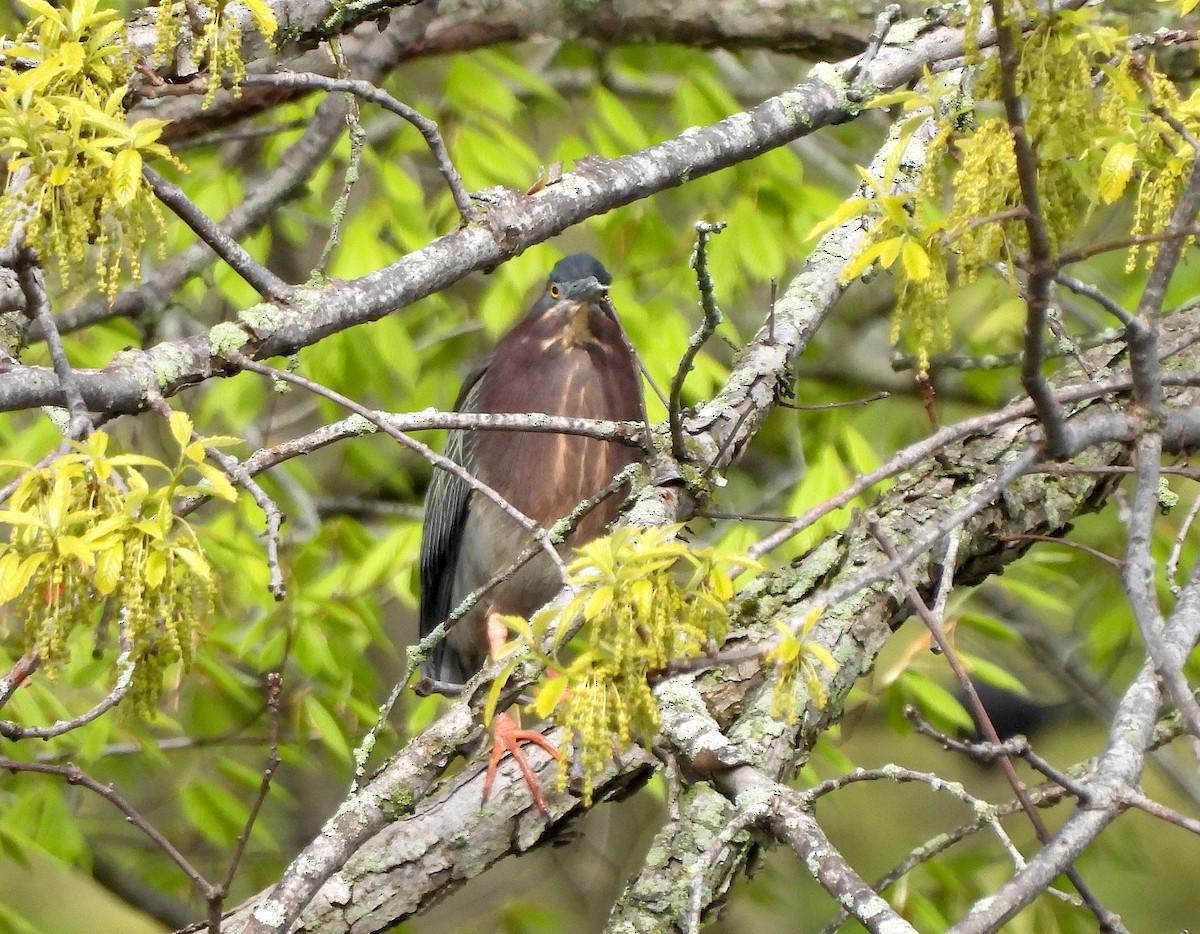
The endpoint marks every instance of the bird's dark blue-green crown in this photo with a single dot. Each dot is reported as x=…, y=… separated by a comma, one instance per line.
x=579, y=266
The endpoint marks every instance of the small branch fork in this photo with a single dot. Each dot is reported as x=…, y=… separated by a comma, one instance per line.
x=1108, y=920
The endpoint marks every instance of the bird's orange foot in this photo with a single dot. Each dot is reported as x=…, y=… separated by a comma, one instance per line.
x=506, y=736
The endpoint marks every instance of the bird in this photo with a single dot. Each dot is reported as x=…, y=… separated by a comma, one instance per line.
x=567, y=356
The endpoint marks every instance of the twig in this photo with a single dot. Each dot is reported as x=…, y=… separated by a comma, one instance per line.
x=1039, y=265
x=934, y=625
x=215, y=900
x=745, y=818
x=957, y=361
x=261, y=279
x=22, y=668
x=297, y=163
x=355, y=426
x=1088, y=290
x=272, y=515
x=125, y=669
x=708, y=327
x=368, y=92
x=1082, y=253
x=826, y=406
x=984, y=811
x=1172, y=566
x=237, y=474
x=1142, y=802
x=942, y=842
x=1138, y=580
x=438, y=460
x=887, y=18
x=1066, y=542
x=74, y=775
x=37, y=308
x=358, y=139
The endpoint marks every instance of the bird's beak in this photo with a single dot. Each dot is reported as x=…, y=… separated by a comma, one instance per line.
x=586, y=291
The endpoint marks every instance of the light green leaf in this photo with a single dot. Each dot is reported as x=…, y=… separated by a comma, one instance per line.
x=108, y=568
x=156, y=569
x=181, y=428
x=1116, y=170
x=125, y=176
x=851, y=207
x=917, y=264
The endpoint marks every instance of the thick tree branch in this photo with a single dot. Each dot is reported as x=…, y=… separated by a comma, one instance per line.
x=513, y=222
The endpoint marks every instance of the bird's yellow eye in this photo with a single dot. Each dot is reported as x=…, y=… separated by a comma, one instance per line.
x=604, y=296
x=555, y=291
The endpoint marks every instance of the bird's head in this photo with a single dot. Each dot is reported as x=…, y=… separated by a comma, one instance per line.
x=576, y=290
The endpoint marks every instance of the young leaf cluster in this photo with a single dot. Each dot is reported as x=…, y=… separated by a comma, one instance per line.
x=220, y=39
x=796, y=658
x=62, y=121
x=91, y=538
x=1094, y=129
x=644, y=599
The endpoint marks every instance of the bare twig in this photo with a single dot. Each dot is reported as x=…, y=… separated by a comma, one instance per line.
x=369, y=92
x=74, y=775
x=24, y=666
x=261, y=279
x=216, y=899
x=358, y=139
x=1172, y=565
x=1138, y=579
x=37, y=308
x=708, y=327
x=884, y=22
x=539, y=534
x=1039, y=265
x=1066, y=542
x=1103, y=914
x=125, y=670
x=355, y=426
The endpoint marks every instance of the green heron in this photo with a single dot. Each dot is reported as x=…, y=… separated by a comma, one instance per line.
x=568, y=356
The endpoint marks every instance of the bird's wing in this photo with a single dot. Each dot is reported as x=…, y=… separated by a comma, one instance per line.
x=445, y=516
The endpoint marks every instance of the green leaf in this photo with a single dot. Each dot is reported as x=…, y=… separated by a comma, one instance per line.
x=264, y=17
x=156, y=569
x=548, y=696
x=935, y=701
x=181, y=428
x=1115, y=171
x=494, y=689
x=125, y=176
x=851, y=207
x=14, y=583
x=327, y=727
x=219, y=485
x=917, y=264
x=108, y=568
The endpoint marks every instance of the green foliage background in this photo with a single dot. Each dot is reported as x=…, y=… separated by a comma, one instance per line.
x=338, y=638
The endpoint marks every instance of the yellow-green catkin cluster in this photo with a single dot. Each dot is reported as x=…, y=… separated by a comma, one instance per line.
x=219, y=41
x=91, y=543
x=1163, y=159
x=74, y=163
x=1095, y=117
x=645, y=599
